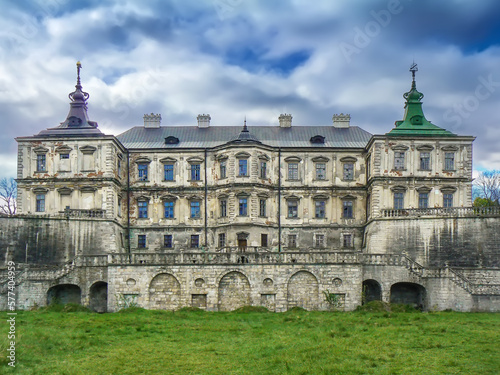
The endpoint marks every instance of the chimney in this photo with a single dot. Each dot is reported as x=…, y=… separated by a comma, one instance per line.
x=285, y=121
x=152, y=120
x=204, y=121
x=341, y=121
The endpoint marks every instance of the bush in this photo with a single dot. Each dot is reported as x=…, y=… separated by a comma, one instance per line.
x=296, y=309
x=191, y=309
x=75, y=307
x=375, y=306
x=250, y=309
x=379, y=306
x=59, y=307
x=132, y=310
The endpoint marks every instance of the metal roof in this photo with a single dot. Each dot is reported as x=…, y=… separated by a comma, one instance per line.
x=140, y=137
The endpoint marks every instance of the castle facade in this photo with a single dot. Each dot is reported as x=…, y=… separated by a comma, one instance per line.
x=220, y=217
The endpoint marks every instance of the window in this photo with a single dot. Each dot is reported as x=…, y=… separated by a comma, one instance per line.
x=63, y=156
x=423, y=200
x=399, y=161
x=262, y=208
x=263, y=169
x=347, y=240
x=348, y=212
x=40, y=203
x=398, y=201
x=449, y=161
x=169, y=209
x=425, y=161
x=223, y=208
x=195, y=241
x=168, y=172
x=195, y=172
x=143, y=209
x=319, y=211
x=319, y=241
x=222, y=168
x=119, y=206
x=447, y=200
x=243, y=167
x=143, y=172
x=167, y=240
x=119, y=167
x=320, y=171
x=293, y=171
x=293, y=208
x=222, y=239
x=141, y=241
x=292, y=241
x=263, y=240
x=41, y=163
x=195, y=210
x=243, y=207
x=348, y=171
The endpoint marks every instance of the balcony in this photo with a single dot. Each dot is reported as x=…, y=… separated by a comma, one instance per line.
x=93, y=213
x=244, y=258
x=442, y=212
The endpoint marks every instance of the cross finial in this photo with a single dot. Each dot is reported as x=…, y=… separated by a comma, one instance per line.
x=245, y=129
x=413, y=69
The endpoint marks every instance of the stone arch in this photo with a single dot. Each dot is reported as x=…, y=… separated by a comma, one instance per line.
x=303, y=291
x=64, y=293
x=98, y=296
x=408, y=293
x=372, y=291
x=164, y=292
x=234, y=291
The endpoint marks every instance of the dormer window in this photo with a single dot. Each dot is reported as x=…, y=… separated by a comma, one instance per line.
x=416, y=120
x=317, y=139
x=74, y=121
x=171, y=140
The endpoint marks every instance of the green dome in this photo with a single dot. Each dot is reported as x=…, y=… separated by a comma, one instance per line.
x=414, y=122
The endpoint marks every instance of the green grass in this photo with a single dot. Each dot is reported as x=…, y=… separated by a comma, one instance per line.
x=252, y=341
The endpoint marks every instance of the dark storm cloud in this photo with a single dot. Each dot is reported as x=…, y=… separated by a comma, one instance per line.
x=233, y=58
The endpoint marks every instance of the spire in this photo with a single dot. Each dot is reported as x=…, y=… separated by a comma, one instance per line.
x=245, y=135
x=77, y=116
x=413, y=96
x=414, y=121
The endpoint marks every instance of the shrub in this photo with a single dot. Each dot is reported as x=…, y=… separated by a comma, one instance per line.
x=191, y=309
x=250, y=309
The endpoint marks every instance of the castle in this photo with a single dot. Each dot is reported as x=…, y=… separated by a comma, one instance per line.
x=219, y=217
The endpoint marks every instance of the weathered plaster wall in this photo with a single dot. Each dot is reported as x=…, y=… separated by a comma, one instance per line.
x=47, y=241
x=436, y=242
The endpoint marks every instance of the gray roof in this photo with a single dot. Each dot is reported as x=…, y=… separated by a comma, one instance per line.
x=140, y=137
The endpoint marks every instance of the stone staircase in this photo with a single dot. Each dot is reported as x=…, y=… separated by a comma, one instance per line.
x=454, y=275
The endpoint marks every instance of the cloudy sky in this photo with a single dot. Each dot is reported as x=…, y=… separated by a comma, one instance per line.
x=253, y=58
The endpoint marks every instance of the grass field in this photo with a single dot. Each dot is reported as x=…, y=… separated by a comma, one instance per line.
x=295, y=342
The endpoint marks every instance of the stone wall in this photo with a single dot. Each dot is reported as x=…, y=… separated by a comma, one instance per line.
x=436, y=242
x=49, y=240
x=223, y=288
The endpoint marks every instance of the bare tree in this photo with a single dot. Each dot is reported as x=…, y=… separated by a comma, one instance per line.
x=8, y=195
x=487, y=185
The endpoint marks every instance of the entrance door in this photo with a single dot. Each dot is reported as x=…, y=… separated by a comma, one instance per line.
x=242, y=244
